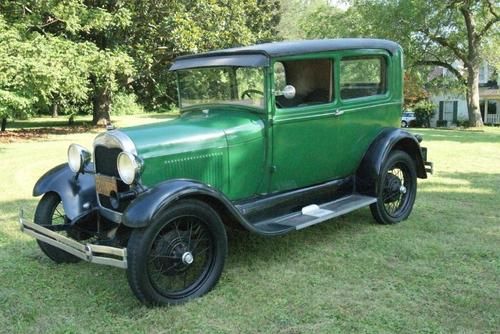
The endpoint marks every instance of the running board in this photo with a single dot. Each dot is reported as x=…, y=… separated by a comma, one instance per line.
x=314, y=214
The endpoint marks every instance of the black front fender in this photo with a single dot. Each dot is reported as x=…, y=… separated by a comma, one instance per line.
x=74, y=192
x=144, y=208
x=389, y=139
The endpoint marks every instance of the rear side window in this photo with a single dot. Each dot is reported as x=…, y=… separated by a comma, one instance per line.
x=361, y=77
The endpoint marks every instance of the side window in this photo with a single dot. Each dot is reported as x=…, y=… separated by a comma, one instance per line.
x=311, y=80
x=361, y=77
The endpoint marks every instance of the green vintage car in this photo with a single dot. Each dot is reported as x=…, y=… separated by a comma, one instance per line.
x=272, y=138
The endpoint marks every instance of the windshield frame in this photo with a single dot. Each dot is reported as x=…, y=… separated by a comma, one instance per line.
x=259, y=109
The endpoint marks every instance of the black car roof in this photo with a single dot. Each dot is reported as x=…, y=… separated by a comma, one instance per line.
x=279, y=49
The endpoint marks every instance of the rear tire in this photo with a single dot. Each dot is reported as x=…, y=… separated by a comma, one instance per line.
x=49, y=211
x=396, y=189
x=179, y=256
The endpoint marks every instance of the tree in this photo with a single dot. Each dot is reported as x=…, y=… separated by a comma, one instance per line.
x=65, y=52
x=432, y=33
x=84, y=51
x=162, y=30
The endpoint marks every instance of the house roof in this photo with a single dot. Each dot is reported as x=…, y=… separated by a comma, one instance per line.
x=259, y=54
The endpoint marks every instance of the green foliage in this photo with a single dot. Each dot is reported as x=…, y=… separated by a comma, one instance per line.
x=76, y=52
x=424, y=111
x=162, y=30
x=125, y=104
x=463, y=123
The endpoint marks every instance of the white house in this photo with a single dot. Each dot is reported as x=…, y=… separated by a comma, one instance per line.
x=452, y=107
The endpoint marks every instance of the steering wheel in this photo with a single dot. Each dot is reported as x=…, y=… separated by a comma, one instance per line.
x=251, y=91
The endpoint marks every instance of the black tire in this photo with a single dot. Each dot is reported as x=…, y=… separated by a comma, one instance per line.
x=158, y=257
x=397, y=189
x=404, y=124
x=49, y=211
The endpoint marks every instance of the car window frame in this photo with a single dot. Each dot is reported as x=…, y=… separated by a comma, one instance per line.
x=305, y=108
x=389, y=75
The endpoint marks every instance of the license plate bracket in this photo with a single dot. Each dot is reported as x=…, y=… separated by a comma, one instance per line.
x=105, y=185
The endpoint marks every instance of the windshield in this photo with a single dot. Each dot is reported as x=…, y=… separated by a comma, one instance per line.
x=222, y=85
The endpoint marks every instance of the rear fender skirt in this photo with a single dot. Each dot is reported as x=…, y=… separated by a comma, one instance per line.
x=75, y=193
x=144, y=208
x=389, y=139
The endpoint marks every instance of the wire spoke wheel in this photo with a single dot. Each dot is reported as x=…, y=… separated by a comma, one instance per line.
x=50, y=212
x=179, y=256
x=397, y=188
x=395, y=195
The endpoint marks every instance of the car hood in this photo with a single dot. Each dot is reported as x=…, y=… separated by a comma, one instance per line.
x=194, y=131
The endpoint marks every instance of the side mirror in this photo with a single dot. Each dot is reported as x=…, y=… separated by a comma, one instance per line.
x=289, y=92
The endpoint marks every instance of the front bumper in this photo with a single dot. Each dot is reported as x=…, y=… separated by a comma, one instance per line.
x=111, y=256
x=429, y=166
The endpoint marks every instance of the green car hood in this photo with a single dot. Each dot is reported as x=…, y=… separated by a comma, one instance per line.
x=195, y=131
x=195, y=145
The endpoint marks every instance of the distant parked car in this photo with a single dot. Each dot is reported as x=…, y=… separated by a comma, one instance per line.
x=408, y=119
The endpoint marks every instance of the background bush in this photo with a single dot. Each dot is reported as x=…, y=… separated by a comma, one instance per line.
x=125, y=104
x=424, y=110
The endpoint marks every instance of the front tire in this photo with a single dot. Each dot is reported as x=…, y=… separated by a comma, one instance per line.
x=396, y=189
x=50, y=211
x=179, y=256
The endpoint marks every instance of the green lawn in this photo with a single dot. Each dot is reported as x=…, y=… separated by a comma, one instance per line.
x=437, y=272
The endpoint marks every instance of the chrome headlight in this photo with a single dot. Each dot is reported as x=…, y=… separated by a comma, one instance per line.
x=78, y=157
x=129, y=167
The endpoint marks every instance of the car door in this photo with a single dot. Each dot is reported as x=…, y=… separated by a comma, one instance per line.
x=367, y=102
x=305, y=128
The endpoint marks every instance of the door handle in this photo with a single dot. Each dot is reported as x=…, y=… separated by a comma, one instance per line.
x=338, y=112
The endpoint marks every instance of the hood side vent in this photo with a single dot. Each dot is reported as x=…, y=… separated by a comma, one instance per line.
x=207, y=168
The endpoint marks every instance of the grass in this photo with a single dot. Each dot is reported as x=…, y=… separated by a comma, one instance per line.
x=437, y=272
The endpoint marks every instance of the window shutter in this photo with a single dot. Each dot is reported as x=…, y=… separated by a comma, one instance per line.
x=455, y=111
x=441, y=106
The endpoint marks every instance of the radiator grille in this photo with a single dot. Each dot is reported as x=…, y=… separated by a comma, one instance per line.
x=105, y=160
x=105, y=164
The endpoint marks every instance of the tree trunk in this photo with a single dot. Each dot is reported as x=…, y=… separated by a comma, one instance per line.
x=475, y=119
x=4, y=124
x=101, y=106
x=55, y=107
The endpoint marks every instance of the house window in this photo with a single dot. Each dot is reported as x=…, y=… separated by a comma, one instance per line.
x=448, y=110
x=492, y=107
x=483, y=73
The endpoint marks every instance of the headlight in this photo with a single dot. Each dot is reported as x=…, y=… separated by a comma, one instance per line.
x=129, y=167
x=78, y=158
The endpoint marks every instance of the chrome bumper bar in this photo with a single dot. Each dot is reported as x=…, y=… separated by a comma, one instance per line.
x=429, y=167
x=111, y=256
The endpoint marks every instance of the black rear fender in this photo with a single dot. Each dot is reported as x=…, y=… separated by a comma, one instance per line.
x=371, y=165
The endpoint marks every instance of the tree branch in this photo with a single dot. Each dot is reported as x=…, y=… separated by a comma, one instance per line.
x=449, y=67
x=445, y=43
x=491, y=8
x=490, y=23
